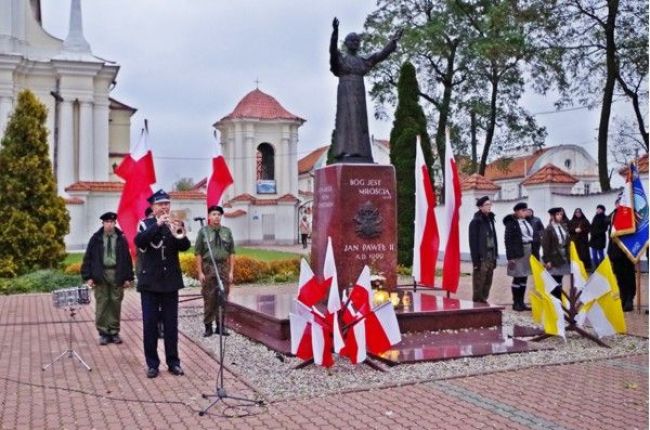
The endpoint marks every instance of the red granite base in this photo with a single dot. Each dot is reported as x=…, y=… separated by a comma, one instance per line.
x=265, y=319
x=355, y=206
x=477, y=342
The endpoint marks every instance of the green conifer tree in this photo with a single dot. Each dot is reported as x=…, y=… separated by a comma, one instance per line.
x=35, y=220
x=409, y=122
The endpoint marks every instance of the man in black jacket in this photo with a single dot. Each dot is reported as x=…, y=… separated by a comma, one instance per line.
x=159, y=278
x=483, y=248
x=107, y=268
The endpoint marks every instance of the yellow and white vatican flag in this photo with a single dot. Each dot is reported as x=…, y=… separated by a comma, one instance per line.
x=577, y=268
x=602, y=302
x=546, y=309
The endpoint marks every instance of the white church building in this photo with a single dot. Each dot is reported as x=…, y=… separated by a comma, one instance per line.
x=88, y=131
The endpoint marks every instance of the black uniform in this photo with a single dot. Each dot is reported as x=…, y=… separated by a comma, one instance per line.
x=484, y=250
x=159, y=279
x=625, y=274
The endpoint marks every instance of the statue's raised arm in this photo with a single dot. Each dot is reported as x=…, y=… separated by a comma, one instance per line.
x=334, y=49
x=390, y=47
x=352, y=140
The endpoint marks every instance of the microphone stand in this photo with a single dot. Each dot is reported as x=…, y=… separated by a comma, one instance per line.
x=220, y=393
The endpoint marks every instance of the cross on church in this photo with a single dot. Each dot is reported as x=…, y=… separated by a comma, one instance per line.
x=257, y=83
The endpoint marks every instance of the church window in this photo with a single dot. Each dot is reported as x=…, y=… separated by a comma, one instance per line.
x=567, y=163
x=265, y=169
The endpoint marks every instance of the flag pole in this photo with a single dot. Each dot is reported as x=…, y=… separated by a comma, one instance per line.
x=638, y=286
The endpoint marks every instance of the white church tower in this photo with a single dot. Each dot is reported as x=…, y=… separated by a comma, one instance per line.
x=71, y=82
x=260, y=144
x=88, y=130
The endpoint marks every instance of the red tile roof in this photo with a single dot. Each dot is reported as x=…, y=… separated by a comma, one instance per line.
x=234, y=214
x=261, y=202
x=550, y=174
x=96, y=186
x=478, y=182
x=306, y=163
x=187, y=195
x=259, y=105
x=201, y=184
x=511, y=168
x=74, y=201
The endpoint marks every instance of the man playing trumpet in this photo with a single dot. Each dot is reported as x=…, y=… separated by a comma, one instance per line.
x=160, y=239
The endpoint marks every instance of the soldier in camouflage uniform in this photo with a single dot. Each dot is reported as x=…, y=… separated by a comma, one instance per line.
x=218, y=239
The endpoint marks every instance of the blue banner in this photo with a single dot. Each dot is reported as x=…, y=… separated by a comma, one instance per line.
x=635, y=243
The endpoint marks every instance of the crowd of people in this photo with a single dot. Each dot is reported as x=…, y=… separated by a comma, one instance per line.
x=525, y=235
x=107, y=268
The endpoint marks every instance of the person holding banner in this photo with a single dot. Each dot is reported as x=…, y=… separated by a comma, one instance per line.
x=624, y=271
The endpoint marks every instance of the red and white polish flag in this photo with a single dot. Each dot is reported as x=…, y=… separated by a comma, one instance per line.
x=358, y=305
x=382, y=329
x=361, y=293
x=220, y=179
x=451, y=264
x=310, y=291
x=426, y=238
x=623, y=220
x=138, y=172
x=334, y=298
x=301, y=339
x=321, y=339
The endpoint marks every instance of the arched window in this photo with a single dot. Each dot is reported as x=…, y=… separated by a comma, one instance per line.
x=265, y=169
x=265, y=162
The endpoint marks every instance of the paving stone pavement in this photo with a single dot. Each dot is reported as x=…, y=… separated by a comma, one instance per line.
x=608, y=394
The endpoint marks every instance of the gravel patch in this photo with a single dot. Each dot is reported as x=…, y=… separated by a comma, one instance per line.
x=275, y=378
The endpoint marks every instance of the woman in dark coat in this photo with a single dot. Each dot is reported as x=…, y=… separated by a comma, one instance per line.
x=579, y=227
x=518, y=238
x=598, y=239
x=555, y=244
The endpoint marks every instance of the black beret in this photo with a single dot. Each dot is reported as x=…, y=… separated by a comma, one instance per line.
x=480, y=202
x=159, y=196
x=215, y=208
x=553, y=211
x=519, y=206
x=601, y=207
x=108, y=216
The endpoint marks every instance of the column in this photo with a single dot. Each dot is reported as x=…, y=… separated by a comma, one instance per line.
x=5, y=111
x=250, y=159
x=65, y=175
x=293, y=165
x=102, y=168
x=238, y=155
x=86, y=165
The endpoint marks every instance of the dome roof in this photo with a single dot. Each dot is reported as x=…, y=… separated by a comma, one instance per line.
x=259, y=105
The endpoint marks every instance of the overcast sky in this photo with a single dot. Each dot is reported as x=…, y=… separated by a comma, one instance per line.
x=185, y=64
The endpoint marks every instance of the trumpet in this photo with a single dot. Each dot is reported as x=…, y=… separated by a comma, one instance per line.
x=175, y=225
